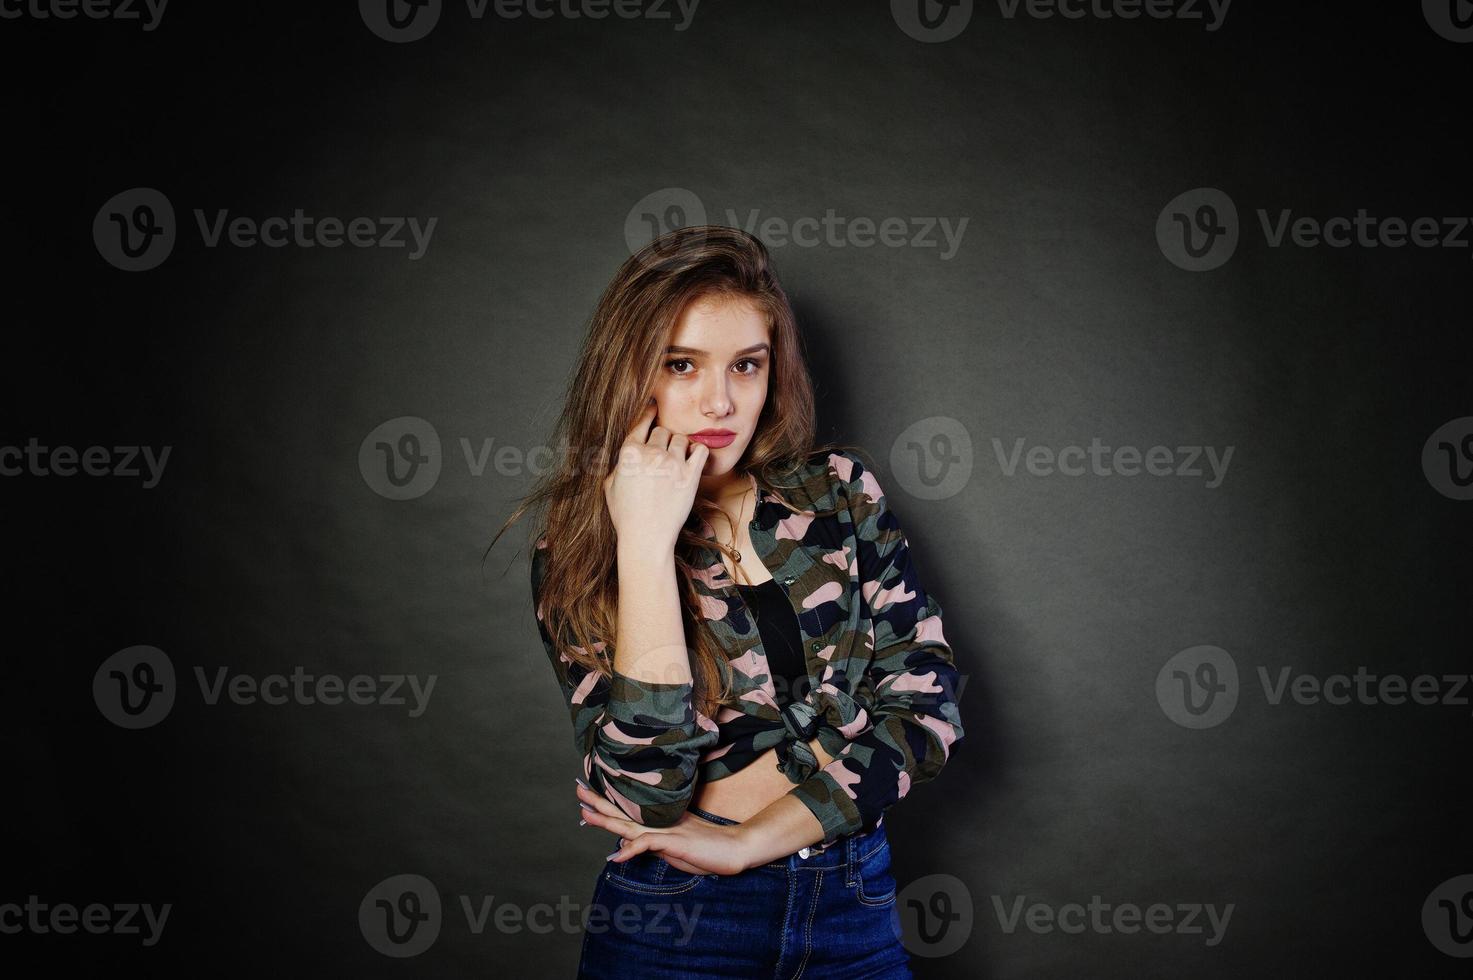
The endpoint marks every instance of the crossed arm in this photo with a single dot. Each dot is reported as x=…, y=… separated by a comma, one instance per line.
x=782, y=827
x=779, y=829
x=691, y=843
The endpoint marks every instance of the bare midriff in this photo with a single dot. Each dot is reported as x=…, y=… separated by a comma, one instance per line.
x=751, y=789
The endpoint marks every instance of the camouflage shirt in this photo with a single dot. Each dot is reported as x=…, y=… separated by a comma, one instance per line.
x=882, y=692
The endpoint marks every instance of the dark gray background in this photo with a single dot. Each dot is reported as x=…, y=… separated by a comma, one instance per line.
x=1058, y=320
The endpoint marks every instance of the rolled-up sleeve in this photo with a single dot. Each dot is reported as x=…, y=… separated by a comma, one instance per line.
x=913, y=677
x=639, y=741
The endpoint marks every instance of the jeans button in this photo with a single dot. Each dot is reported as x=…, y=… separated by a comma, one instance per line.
x=803, y=852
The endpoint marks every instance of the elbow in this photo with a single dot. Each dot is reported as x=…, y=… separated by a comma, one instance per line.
x=657, y=806
x=651, y=778
x=654, y=791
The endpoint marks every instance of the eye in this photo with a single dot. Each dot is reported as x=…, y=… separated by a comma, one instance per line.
x=756, y=365
x=671, y=365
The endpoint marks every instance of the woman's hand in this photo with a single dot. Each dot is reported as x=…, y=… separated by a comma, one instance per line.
x=693, y=845
x=653, y=486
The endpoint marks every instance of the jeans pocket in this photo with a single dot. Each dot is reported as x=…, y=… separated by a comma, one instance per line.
x=873, y=884
x=650, y=874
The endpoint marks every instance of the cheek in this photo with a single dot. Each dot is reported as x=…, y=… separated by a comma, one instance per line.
x=669, y=404
x=759, y=400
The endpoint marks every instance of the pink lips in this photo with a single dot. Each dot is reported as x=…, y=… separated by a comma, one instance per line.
x=714, y=439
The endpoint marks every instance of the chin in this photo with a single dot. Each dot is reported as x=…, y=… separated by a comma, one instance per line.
x=723, y=460
x=717, y=462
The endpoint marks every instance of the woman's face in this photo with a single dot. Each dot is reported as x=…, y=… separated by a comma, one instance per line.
x=713, y=380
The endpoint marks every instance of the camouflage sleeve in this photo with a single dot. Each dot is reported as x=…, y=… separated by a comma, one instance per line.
x=640, y=741
x=915, y=719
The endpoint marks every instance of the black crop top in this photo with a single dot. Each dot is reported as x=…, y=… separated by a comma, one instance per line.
x=781, y=639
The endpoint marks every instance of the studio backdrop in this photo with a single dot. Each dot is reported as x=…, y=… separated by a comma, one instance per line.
x=1153, y=317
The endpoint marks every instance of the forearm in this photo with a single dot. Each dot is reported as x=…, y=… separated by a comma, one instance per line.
x=649, y=644
x=784, y=826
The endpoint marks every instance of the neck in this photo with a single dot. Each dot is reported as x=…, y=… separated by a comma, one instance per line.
x=719, y=489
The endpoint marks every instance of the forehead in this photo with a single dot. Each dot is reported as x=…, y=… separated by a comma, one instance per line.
x=720, y=324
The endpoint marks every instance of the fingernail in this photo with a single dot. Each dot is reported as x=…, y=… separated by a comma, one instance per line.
x=580, y=782
x=585, y=806
x=582, y=822
x=612, y=856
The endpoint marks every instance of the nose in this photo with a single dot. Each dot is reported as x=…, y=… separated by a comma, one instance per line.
x=715, y=398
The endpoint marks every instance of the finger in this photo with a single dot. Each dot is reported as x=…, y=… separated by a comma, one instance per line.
x=598, y=802
x=629, y=849
x=680, y=445
x=699, y=452
x=614, y=825
x=640, y=429
x=686, y=866
x=659, y=437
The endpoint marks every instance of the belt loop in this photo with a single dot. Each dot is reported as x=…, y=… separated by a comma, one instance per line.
x=850, y=866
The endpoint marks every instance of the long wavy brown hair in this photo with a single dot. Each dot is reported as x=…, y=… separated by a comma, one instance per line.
x=615, y=378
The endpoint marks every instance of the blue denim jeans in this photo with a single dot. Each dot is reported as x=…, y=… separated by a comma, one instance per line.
x=831, y=914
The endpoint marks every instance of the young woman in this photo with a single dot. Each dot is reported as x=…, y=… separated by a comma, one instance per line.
x=753, y=670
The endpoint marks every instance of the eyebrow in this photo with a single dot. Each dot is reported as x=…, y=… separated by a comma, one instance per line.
x=754, y=349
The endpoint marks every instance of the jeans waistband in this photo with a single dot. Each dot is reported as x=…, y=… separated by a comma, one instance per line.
x=849, y=849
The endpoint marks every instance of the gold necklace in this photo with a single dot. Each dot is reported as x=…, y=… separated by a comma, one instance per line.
x=737, y=552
